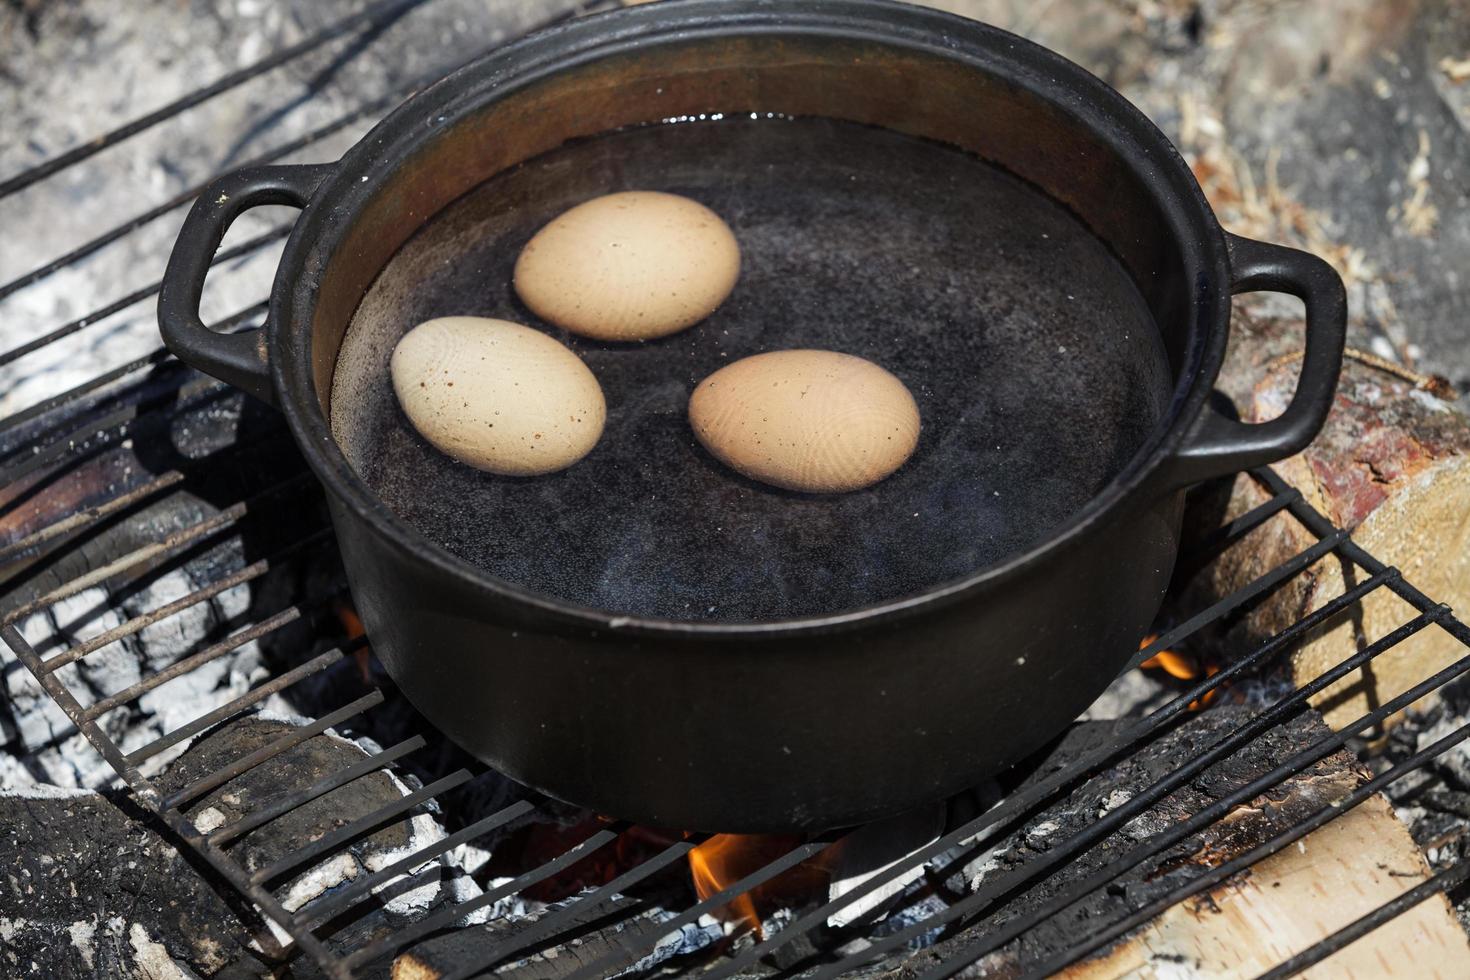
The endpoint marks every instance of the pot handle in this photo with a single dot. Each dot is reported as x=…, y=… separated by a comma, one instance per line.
x=1219, y=445
x=239, y=359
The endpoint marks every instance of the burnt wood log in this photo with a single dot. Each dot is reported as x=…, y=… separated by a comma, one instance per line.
x=92, y=890
x=1392, y=466
x=1334, y=875
x=392, y=906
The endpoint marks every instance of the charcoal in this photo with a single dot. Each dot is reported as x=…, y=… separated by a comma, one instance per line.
x=298, y=768
x=92, y=889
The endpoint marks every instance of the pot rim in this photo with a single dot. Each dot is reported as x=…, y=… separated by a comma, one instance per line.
x=1067, y=86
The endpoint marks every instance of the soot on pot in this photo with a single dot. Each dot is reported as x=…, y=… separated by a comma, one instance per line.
x=1036, y=367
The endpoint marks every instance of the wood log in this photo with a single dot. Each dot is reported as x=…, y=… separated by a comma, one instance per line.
x=1392, y=465
x=1294, y=899
x=1280, y=906
x=1244, y=925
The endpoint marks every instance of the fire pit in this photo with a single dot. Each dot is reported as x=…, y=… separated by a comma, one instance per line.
x=177, y=619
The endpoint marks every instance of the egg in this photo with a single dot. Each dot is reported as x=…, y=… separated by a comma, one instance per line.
x=497, y=395
x=629, y=266
x=809, y=420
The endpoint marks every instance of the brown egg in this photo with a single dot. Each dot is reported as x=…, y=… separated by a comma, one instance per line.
x=630, y=266
x=811, y=420
x=498, y=396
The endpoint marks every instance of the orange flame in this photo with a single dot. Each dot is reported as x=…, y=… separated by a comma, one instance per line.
x=715, y=864
x=352, y=625
x=1180, y=666
x=1176, y=665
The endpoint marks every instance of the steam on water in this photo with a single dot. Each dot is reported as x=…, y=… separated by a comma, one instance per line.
x=1036, y=366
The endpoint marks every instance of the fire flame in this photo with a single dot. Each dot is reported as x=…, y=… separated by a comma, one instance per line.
x=352, y=626
x=1176, y=665
x=719, y=861
x=1180, y=666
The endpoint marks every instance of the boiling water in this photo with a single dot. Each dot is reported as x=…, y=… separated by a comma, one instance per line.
x=1036, y=366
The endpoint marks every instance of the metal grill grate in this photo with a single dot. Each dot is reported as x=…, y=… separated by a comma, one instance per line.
x=47, y=438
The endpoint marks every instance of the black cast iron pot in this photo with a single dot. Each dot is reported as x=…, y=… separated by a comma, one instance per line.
x=760, y=726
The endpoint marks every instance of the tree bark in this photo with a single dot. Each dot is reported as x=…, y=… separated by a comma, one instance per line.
x=1391, y=465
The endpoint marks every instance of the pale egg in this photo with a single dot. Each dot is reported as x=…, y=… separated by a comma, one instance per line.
x=810, y=420
x=629, y=266
x=498, y=396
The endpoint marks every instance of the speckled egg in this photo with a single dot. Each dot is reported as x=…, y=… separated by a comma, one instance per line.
x=809, y=420
x=497, y=395
x=629, y=266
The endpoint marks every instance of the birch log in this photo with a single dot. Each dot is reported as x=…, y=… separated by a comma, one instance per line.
x=1294, y=899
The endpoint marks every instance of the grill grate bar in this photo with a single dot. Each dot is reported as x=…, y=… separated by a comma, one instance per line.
x=1445, y=880
x=1219, y=874
x=269, y=751
x=177, y=201
x=136, y=296
x=159, y=355
x=92, y=515
x=178, y=669
x=547, y=925
x=1247, y=522
x=301, y=142
x=58, y=446
x=145, y=790
x=155, y=357
x=58, y=691
x=139, y=556
x=131, y=560
x=203, y=722
x=138, y=623
x=90, y=439
x=343, y=899
x=231, y=872
x=610, y=965
x=362, y=112
x=983, y=898
x=1026, y=802
x=448, y=916
x=291, y=801
x=359, y=828
x=1240, y=597
x=1319, y=525
x=378, y=15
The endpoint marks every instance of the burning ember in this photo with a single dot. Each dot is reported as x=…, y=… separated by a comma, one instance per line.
x=1181, y=666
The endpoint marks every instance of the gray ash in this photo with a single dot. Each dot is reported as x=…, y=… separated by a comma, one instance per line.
x=1433, y=801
